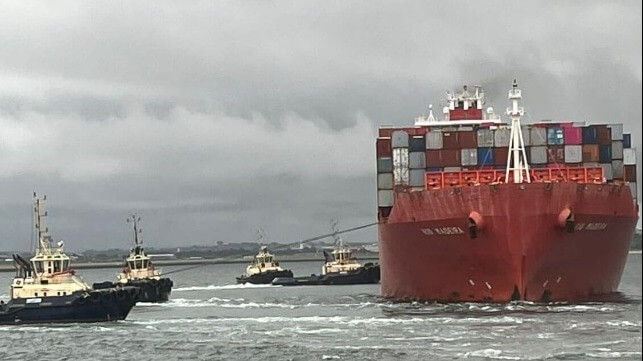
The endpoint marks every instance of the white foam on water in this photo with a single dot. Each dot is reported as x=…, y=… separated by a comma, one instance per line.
x=223, y=287
x=490, y=353
x=330, y=357
x=614, y=354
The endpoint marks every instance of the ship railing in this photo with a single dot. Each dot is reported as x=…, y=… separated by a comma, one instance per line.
x=582, y=175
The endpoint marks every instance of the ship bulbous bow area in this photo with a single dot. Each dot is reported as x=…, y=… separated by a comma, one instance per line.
x=497, y=243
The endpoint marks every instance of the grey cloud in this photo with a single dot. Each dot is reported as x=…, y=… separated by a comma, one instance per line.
x=214, y=119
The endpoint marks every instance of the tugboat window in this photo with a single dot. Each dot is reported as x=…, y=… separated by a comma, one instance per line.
x=65, y=265
x=39, y=267
x=57, y=266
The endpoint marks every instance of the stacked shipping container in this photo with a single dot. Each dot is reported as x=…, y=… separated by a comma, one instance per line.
x=405, y=154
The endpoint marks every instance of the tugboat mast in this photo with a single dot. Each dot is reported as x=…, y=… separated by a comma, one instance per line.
x=515, y=162
x=134, y=218
x=44, y=240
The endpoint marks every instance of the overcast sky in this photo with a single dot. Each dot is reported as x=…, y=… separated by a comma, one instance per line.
x=214, y=118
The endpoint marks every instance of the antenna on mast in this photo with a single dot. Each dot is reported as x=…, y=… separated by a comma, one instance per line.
x=44, y=240
x=517, y=156
x=334, y=224
x=134, y=219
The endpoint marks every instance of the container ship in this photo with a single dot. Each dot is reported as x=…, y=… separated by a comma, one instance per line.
x=475, y=209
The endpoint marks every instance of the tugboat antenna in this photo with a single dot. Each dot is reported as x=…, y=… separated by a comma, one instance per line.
x=44, y=242
x=134, y=218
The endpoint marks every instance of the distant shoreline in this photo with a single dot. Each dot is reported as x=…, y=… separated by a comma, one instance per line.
x=8, y=266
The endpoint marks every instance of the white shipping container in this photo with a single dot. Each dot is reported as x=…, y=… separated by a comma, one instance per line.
x=469, y=156
x=629, y=156
x=452, y=169
x=501, y=137
x=385, y=165
x=385, y=181
x=634, y=189
x=401, y=166
x=417, y=160
x=617, y=149
x=464, y=128
x=418, y=189
x=417, y=178
x=607, y=171
x=617, y=169
x=526, y=135
x=385, y=198
x=617, y=131
x=573, y=153
x=400, y=139
x=434, y=140
x=485, y=138
x=538, y=136
x=538, y=155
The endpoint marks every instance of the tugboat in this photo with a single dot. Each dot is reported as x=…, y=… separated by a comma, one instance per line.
x=140, y=272
x=340, y=268
x=46, y=290
x=263, y=269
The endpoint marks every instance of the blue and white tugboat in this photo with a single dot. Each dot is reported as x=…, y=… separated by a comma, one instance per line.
x=46, y=290
x=139, y=271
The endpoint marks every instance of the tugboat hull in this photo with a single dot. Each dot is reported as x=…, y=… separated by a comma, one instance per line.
x=96, y=306
x=370, y=273
x=265, y=278
x=151, y=290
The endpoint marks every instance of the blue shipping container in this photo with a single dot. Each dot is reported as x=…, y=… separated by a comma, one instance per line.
x=417, y=144
x=590, y=135
x=605, y=154
x=485, y=156
x=627, y=140
x=555, y=136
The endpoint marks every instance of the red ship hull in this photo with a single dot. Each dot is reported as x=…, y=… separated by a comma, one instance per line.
x=521, y=250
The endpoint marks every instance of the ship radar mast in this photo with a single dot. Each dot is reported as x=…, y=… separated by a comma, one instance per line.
x=338, y=242
x=134, y=219
x=517, y=156
x=44, y=239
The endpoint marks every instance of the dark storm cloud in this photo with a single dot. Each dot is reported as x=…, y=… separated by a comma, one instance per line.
x=216, y=118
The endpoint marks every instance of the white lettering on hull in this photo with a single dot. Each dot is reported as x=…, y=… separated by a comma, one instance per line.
x=590, y=226
x=442, y=231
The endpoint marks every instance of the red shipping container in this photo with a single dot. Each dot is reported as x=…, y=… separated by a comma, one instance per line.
x=556, y=154
x=386, y=132
x=443, y=158
x=468, y=139
x=415, y=131
x=461, y=114
x=591, y=153
x=500, y=155
x=450, y=140
x=604, y=135
x=573, y=135
x=629, y=173
x=384, y=147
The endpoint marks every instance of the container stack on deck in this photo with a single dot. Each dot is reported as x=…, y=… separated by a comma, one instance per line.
x=404, y=155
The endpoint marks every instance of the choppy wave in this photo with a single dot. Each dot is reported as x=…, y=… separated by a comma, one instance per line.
x=221, y=287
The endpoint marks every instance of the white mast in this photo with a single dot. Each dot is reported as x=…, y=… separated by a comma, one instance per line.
x=516, y=142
